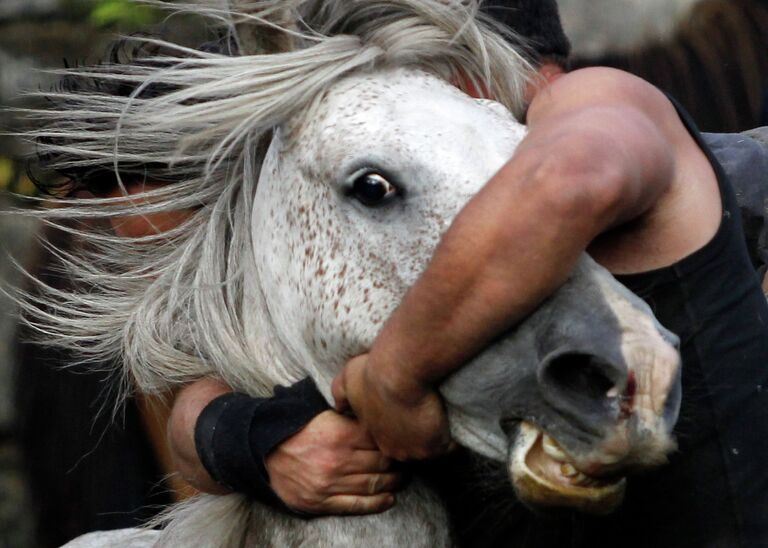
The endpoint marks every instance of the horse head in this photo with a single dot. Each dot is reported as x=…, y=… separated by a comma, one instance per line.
x=349, y=208
x=317, y=180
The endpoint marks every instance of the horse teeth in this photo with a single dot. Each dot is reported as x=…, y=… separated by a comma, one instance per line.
x=568, y=470
x=552, y=449
x=582, y=480
x=576, y=477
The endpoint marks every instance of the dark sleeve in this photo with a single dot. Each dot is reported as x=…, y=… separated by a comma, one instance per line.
x=235, y=433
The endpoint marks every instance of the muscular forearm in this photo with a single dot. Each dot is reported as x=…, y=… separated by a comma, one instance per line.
x=581, y=170
x=493, y=267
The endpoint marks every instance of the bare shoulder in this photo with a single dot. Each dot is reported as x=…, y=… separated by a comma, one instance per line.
x=602, y=87
x=686, y=215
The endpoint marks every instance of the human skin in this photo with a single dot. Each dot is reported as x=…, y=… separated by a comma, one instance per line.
x=651, y=126
x=308, y=471
x=332, y=466
x=604, y=148
x=140, y=226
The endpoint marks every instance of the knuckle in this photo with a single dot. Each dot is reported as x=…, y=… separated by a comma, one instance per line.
x=328, y=467
x=305, y=503
x=321, y=485
x=356, y=505
x=337, y=438
x=375, y=483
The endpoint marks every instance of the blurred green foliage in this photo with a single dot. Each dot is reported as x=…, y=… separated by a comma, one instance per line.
x=125, y=15
x=13, y=178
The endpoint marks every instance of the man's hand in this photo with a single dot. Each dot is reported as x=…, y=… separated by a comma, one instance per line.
x=406, y=420
x=332, y=466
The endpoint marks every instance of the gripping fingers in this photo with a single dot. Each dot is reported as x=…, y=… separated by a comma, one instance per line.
x=356, y=505
x=367, y=484
x=367, y=462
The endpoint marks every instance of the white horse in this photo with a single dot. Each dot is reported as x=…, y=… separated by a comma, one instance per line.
x=321, y=179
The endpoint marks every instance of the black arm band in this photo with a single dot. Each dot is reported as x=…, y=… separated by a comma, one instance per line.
x=235, y=433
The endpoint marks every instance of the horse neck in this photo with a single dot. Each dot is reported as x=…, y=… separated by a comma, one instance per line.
x=276, y=361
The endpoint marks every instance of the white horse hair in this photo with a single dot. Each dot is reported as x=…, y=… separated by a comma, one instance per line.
x=168, y=307
x=281, y=272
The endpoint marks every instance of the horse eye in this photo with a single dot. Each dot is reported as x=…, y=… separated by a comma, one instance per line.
x=371, y=189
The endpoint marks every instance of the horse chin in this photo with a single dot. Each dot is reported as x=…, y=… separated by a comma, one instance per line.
x=545, y=478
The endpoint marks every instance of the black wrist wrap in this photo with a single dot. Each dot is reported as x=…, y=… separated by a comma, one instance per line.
x=235, y=433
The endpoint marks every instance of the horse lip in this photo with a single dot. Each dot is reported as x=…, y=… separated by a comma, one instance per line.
x=541, y=489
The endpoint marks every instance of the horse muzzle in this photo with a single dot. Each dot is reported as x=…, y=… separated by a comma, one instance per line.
x=619, y=420
x=582, y=393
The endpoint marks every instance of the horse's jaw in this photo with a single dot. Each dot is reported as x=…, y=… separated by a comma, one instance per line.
x=513, y=403
x=542, y=476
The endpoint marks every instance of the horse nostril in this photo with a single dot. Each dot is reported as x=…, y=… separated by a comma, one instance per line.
x=579, y=379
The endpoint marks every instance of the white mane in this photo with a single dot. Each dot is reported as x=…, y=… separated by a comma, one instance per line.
x=169, y=307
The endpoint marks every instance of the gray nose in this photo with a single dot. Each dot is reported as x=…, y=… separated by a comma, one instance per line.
x=581, y=386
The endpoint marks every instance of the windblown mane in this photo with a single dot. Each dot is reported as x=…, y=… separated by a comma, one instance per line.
x=169, y=306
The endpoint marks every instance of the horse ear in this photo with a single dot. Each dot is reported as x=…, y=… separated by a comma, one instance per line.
x=266, y=31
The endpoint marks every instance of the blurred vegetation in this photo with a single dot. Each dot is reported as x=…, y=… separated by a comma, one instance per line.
x=125, y=15
x=74, y=32
x=14, y=179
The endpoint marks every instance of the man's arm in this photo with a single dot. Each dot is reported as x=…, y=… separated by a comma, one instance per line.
x=187, y=407
x=601, y=150
x=330, y=466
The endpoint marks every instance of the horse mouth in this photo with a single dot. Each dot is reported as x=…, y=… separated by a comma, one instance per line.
x=544, y=476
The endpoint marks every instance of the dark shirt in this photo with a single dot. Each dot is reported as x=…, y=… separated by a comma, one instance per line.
x=714, y=491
